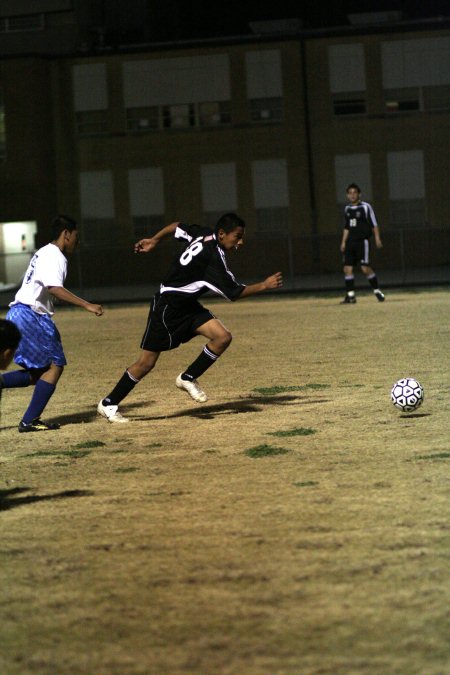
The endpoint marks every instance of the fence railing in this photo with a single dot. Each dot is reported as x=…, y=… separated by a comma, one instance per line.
x=407, y=256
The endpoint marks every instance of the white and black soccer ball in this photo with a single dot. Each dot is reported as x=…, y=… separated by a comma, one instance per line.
x=407, y=394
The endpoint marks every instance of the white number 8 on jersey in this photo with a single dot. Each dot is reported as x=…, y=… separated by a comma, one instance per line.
x=191, y=251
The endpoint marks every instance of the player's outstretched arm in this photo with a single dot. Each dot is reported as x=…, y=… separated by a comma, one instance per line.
x=344, y=240
x=67, y=296
x=271, y=283
x=148, y=244
x=378, y=242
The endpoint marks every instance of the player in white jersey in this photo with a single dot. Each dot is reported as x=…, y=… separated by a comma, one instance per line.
x=176, y=316
x=40, y=353
x=360, y=224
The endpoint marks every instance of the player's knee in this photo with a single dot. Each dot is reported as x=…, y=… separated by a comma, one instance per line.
x=225, y=339
x=141, y=368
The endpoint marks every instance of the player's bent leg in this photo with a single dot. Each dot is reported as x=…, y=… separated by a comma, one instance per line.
x=191, y=387
x=108, y=407
x=144, y=365
x=219, y=336
x=373, y=281
x=219, y=339
x=43, y=391
x=350, y=298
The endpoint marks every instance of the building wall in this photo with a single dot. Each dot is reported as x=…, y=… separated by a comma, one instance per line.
x=47, y=157
x=27, y=174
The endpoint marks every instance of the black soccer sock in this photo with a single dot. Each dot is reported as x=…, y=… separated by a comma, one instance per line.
x=204, y=361
x=373, y=281
x=126, y=383
x=350, y=284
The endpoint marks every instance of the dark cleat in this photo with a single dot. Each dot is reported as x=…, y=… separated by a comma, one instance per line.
x=38, y=425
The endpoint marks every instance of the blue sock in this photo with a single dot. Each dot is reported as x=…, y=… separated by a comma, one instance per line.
x=43, y=392
x=16, y=378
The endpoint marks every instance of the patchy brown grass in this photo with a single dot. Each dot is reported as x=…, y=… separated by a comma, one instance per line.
x=163, y=546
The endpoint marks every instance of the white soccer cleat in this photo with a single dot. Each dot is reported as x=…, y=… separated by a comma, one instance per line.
x=111, y=413
x=192, y=389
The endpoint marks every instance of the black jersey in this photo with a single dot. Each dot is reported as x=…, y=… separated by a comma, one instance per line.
x=200, y=268
x=359, y=221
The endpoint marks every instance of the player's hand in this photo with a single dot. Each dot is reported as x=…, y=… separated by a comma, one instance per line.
x=379, y=243
x=274, y=281
x=342, y=248
x=145, y=245
x=95, y=309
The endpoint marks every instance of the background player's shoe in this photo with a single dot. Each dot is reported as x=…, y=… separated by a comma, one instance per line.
x=349, y=300
x=111, y=413
x=38, y=425
x=192, y=388
x=379, y=295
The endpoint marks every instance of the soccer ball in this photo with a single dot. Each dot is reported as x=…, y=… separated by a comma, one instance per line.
x=407, y=394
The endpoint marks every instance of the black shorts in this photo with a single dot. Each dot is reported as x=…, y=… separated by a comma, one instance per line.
x=357, y=252
x=168, y=325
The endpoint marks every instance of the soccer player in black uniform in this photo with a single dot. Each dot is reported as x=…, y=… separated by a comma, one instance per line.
x=360, y=223
x=176, y=316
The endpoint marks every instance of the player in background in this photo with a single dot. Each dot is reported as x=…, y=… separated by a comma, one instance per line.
x=360, y=223
x=40, y=353
x=176, y=316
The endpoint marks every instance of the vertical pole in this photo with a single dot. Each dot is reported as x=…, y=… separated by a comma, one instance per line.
x=402, y=255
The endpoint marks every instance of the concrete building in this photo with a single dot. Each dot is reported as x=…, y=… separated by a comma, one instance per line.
x=128, y=137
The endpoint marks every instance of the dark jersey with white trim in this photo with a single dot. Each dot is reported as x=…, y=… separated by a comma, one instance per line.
x=359, y=221
x=200, y=268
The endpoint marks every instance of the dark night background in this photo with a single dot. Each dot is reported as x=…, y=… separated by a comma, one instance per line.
x=174, y=20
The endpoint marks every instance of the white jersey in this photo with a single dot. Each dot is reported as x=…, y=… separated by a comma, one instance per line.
x=48, y=267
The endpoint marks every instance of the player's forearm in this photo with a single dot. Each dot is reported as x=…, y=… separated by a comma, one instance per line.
x=252, y=289
x=166, y=231
x=67, y=296
x=271, y=283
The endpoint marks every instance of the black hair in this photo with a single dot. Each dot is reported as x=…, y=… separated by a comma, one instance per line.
x=61, y=223
x=229, y=222
x=9, y=335
x=353, y=185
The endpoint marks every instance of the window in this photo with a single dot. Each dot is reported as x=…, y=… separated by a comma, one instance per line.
x=219, y=190
x=90, y=98
x=146, y=188
x=347, y=79
x=347, y=103
x=97, y=208
x=406, y=188
x=143, y=119
x=264, y=85
x=178, y=116
x=401, y=100
x=214, y=113
x=25, y=23
x=177, y=93
x=416, y=74
x=271, y=196
x=266, y=110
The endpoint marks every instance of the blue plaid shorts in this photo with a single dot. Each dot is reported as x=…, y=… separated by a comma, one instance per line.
x=41, y=342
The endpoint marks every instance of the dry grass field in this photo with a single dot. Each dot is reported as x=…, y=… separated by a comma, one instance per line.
x=295, y=523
